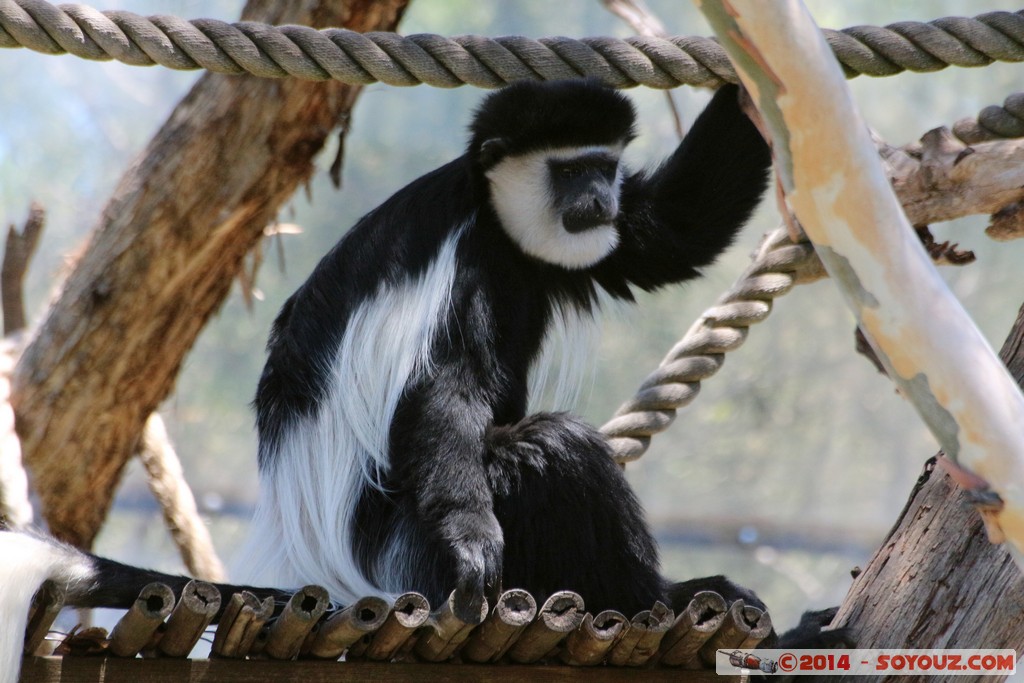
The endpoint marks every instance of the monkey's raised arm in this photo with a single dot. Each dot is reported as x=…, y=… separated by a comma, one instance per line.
x=682, y=216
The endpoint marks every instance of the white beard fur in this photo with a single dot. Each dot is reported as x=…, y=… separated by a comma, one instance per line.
x=519, y=191
x=564, y=372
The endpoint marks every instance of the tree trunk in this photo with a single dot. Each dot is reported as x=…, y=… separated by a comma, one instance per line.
x=161, y=261
x=937, y=581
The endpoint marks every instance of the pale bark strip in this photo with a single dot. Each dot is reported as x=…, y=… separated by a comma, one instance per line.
x=161, y=261
x=836, y=186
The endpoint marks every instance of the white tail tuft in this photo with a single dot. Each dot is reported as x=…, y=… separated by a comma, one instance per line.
x=26, y=562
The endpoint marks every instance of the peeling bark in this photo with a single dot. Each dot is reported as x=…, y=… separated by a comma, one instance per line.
x=940, y=178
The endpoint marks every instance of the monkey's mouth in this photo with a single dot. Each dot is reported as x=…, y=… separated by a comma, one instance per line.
x=590, y=218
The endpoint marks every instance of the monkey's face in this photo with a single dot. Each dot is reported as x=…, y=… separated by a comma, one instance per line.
x=560, y=205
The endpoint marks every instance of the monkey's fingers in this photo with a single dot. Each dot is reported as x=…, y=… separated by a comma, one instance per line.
x=479, y=575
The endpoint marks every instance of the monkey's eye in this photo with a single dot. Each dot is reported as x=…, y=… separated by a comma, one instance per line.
x=568, y=170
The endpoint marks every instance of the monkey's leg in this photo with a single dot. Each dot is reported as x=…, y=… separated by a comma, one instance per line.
x=570, y=520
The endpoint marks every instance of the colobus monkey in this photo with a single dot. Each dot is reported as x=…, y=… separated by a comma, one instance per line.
x=395, y=448
x=396, y=451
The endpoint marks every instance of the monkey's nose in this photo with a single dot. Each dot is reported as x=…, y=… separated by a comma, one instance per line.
x=589, y=215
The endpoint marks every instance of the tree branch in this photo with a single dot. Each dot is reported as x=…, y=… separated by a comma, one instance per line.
x=18, y=252
x=940, y=178
x=963, y=592
x=167, y=483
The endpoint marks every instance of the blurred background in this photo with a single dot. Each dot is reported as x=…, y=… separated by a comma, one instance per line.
x=785, y=473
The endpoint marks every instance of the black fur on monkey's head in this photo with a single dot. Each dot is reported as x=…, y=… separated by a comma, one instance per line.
x=531, y=115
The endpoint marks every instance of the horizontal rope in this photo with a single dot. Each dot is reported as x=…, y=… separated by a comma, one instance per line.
x=357, y=58
x=994, y=122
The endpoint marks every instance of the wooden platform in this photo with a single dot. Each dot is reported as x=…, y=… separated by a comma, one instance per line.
x=114, y=670
x=299, y=638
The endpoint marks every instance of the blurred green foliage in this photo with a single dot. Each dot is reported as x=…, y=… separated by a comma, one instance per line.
x=796, y=430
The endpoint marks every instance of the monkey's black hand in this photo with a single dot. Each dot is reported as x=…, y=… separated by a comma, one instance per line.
x=478, y=548
x=810, y=633
x=680, y=594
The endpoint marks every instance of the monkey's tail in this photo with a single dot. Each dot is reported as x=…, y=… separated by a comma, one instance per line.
x=28, y=560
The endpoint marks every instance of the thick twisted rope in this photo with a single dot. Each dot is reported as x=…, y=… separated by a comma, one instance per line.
x=994, y=122
x=778, y=265
x=306, y=53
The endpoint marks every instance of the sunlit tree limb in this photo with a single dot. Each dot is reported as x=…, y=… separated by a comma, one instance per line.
x=834, y=183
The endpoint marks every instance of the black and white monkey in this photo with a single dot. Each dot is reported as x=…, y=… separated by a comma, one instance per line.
x=396, y=451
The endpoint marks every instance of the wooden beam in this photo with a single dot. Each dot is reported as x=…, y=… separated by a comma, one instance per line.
x=114, y=670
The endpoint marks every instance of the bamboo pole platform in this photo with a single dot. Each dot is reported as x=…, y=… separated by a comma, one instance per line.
x=116, y=670
x=302, y=639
